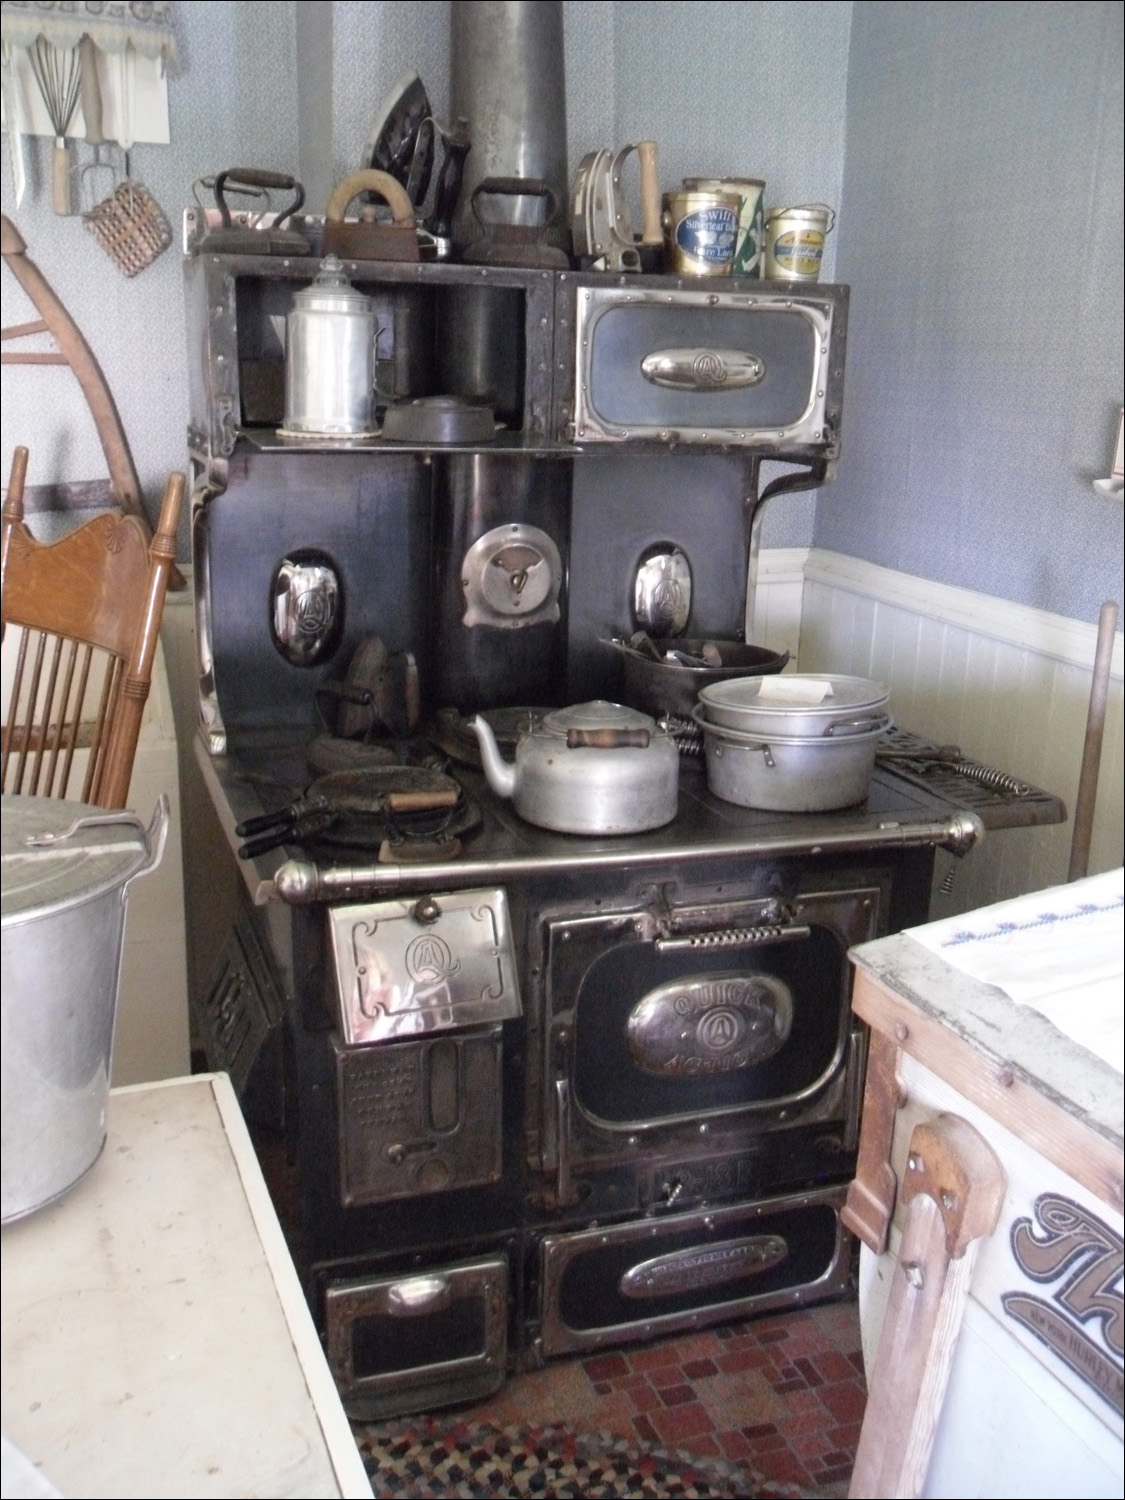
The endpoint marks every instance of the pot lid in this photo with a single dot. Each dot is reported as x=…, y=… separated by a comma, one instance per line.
x=597, y=714
x=55, y=871
x=797, y=693
x=332, y=291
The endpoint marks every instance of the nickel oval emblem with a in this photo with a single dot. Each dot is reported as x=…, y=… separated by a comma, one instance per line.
x=712, y=1023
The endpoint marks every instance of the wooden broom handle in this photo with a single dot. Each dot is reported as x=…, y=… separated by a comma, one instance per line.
x=1092, y=745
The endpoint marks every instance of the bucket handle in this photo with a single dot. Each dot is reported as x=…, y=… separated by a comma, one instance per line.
x=776, y=213
x=155, y=836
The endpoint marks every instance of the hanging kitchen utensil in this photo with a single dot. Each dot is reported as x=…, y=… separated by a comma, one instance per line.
x=370, y=238
x=57, y=72
x=544, y=246
x=91, y=96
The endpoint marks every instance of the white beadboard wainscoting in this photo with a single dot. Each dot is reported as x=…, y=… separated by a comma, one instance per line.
x=1009, y=684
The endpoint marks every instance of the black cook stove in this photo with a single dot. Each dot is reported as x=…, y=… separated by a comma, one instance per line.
x=543, y=1094
x=546, y=1093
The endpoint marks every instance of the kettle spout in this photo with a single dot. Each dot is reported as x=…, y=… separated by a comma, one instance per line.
x=501, y=775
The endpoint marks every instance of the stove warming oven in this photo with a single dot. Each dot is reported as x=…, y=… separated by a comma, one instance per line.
x=541, y=1094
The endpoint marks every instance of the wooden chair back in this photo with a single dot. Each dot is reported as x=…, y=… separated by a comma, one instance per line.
x=89, y=609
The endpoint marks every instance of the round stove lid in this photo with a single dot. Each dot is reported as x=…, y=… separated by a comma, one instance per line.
x=596, y=715
x=43, y=870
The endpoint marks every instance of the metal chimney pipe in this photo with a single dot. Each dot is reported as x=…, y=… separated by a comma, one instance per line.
x=508, y=81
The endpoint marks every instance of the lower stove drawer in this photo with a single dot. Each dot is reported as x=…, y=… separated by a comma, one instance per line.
x=409, y=1342
x=647, y=1279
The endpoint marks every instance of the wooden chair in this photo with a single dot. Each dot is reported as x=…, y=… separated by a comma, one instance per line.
x=89, y=607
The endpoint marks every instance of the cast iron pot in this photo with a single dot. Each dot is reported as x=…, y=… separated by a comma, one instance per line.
x=672, y=687
x=791, y=773
x=67, y=869
x=595, y=768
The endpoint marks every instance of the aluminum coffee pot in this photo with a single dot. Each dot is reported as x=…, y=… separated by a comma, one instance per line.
x=330, y=358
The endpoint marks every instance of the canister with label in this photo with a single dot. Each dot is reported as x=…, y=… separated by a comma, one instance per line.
x=751, y=219
x=795, y=241
x=700, y=232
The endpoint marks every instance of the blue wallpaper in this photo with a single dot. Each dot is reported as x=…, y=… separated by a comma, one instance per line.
x=981, y=234
x=974, y=152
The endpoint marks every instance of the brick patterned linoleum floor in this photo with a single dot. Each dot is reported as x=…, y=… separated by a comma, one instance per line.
x=784, y=1393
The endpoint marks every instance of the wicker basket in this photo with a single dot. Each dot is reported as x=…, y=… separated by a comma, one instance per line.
x=130, y=227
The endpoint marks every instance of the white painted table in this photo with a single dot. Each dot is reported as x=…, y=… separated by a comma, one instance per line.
x=1029, y=1329
x=156, y=1341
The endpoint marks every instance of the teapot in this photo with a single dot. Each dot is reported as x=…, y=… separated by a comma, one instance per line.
x=594, y=768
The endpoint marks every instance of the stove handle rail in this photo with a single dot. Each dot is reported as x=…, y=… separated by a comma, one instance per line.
x=300, y=882
x=734, y=937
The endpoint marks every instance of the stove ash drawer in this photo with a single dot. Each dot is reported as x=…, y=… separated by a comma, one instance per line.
x=408, y=1343
x=419, y=1116
x=648, y=1279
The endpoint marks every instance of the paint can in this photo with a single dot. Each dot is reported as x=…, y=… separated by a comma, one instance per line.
x=795, y=241
x=749, y=251
x=700, y=232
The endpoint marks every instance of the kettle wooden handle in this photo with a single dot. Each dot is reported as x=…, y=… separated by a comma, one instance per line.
x=371, y=181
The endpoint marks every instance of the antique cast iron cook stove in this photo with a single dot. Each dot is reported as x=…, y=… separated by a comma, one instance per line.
x=545, y=1093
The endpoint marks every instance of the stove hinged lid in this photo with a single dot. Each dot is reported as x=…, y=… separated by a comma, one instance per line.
x=433, y=963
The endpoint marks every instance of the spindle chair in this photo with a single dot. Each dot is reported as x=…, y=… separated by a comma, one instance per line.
x=88, y=608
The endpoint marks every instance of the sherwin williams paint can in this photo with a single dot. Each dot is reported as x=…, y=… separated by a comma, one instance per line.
x=750, y=248
x=700, y=232
x=795, y=241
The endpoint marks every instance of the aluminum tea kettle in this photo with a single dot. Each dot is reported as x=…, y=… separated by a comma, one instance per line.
x=330, y=358
x=595, y=768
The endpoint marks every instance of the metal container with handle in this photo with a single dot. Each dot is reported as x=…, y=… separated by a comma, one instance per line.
x=66, y=872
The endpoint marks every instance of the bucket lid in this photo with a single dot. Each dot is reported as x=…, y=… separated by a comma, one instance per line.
x=42, y=870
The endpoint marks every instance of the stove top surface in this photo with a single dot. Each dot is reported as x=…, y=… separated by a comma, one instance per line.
x=910, y=799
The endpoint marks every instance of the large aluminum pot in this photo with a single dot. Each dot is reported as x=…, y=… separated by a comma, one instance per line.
x=595, y=768
x=805, y=709
x=66, y=874
x=791, y=773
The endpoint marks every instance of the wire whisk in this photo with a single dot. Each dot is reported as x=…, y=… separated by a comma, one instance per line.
x=58, y=73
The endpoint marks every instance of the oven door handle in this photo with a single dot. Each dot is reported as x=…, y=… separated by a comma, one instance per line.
x=735, y=937
x=418, y=1295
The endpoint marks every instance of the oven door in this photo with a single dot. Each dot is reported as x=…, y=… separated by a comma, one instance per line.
x=761, y=369
x=702, y=1052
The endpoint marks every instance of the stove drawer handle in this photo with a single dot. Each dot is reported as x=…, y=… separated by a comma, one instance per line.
x=421, y=1294
x=734, y=937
